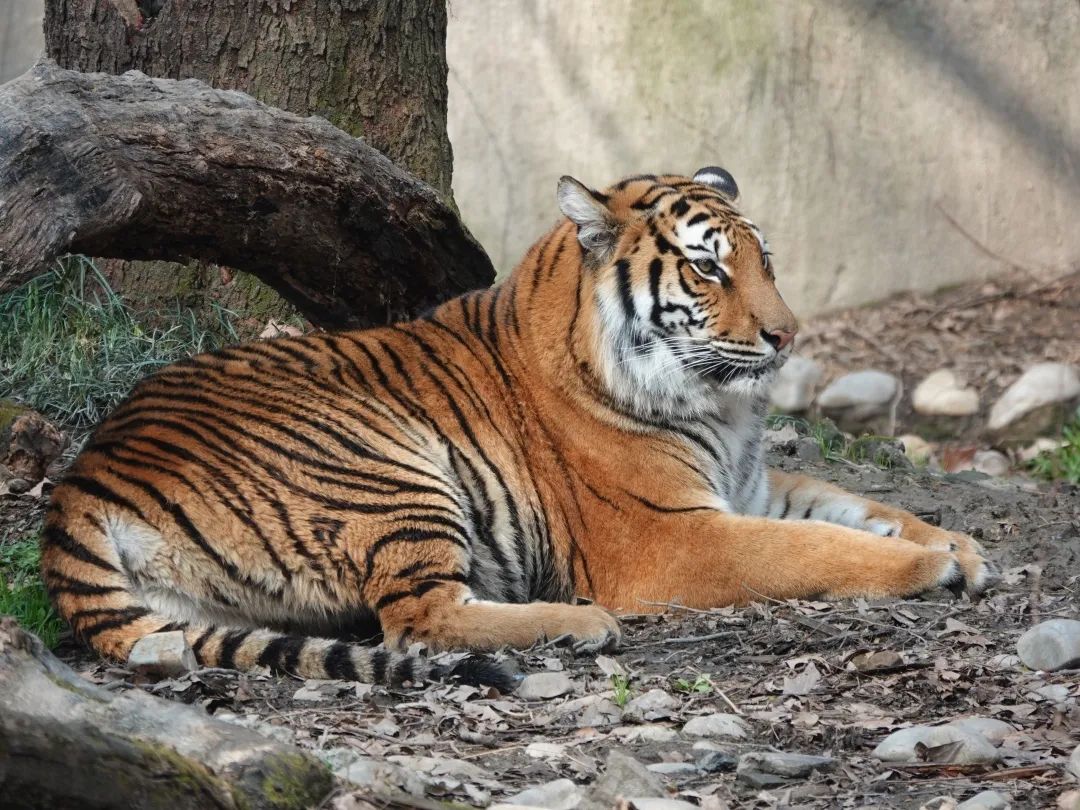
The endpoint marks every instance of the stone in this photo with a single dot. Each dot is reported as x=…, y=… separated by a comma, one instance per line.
x=717, y=762
x=986, y=800
x=809, y=449
x=561, y=794
x=672, y=768
x=1069, y=800
x=1042, y=384
x=717, y=725
x=991, y=728
x=648, y=732
x=624, y=776
x=782, y=438
x=918, y=450
x=384, y=777
x=782, y=763
x=656, y=704
x=162, y=655
x=1051, y=645
x=544, y=686
x=29, y=443
x=865, y=393
x=648, y=803
x=793, y=390
x=900, y=745
x=991, y=462
x=941, y=394
x=759, y=780
x=1074, y=763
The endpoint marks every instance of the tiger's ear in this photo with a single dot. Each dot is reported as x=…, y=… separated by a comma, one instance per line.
x=720, y=179
x=598, y=230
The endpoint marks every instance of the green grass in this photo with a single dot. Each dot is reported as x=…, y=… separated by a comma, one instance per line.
x=623, y=693
x=22, y=593
x=1063, y=463
x=701, y=685
x=71, y=348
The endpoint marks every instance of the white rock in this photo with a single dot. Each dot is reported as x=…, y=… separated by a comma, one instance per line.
x=625, y=776
x=865, y=393
x=1069, y=800
x=544, y=686
x=916, y=448
x=900, y=745
x=783, y=763
x=987, y=800
x=164, y=655
x=991, y=462
x=1051, y=645
x=1042, y=384
x=717, y=725
x=1074, y=763
x=672, y=768
x=793, y=390
x=1041, y=445
x=941, y=394
x=360, y=770
x=989, y=727
x=562, y=794
x=656, y=704
x=650, y=732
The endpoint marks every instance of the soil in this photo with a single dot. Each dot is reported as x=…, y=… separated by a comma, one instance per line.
x=988, y=334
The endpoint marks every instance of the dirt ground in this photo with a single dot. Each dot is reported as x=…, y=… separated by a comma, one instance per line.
x=988, y=334
x=792, y=670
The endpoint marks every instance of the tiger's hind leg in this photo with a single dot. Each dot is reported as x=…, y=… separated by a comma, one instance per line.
x=450, y=618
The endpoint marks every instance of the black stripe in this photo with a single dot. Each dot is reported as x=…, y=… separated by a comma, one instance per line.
x=379, y=659
x=339, y=664
x=57, y=583
x=95, y=488
x=59, y=538
x=121, y=618
x=201, y=640
x=229, y=645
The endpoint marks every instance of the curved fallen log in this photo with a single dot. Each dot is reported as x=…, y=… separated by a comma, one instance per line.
x=65, y=743
x=137, y=168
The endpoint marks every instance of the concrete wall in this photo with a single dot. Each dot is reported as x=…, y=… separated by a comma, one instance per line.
x=21, y=39
x=881, y=145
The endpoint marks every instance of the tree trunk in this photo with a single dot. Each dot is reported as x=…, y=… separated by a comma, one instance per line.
x=374, y=68
x=65, y=743
x=141, y=168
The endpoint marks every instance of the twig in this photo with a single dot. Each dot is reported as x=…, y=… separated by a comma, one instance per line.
x=690, y=639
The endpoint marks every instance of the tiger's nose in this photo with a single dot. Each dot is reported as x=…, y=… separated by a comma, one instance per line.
x=778, y=339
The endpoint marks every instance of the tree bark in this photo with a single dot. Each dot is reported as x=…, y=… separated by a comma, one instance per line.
x=139, y=168
x=374, y=68
x=66, y=743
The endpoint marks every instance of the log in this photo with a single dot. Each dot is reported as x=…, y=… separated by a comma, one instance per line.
x=66, y=743
x=137, y=168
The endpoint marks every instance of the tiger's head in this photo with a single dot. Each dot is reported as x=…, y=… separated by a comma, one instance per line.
x=684, y=287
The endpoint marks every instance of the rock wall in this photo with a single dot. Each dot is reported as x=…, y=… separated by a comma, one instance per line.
x=883, y=146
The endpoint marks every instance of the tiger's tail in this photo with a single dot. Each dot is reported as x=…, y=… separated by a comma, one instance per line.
x=94, y=593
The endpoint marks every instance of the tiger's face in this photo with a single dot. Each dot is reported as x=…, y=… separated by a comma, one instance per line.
x=685, y=287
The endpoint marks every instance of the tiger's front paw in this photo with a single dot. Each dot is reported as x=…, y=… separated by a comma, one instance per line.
x=963, y=571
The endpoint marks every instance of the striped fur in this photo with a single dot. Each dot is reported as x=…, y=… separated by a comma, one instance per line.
x=591, y=427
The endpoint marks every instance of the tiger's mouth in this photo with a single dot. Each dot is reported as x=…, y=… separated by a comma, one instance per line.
x=726, y=370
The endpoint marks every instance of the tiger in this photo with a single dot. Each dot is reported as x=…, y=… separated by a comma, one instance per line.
x=521, y=465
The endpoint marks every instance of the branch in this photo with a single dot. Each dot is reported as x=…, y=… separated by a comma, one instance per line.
x=136, y=168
